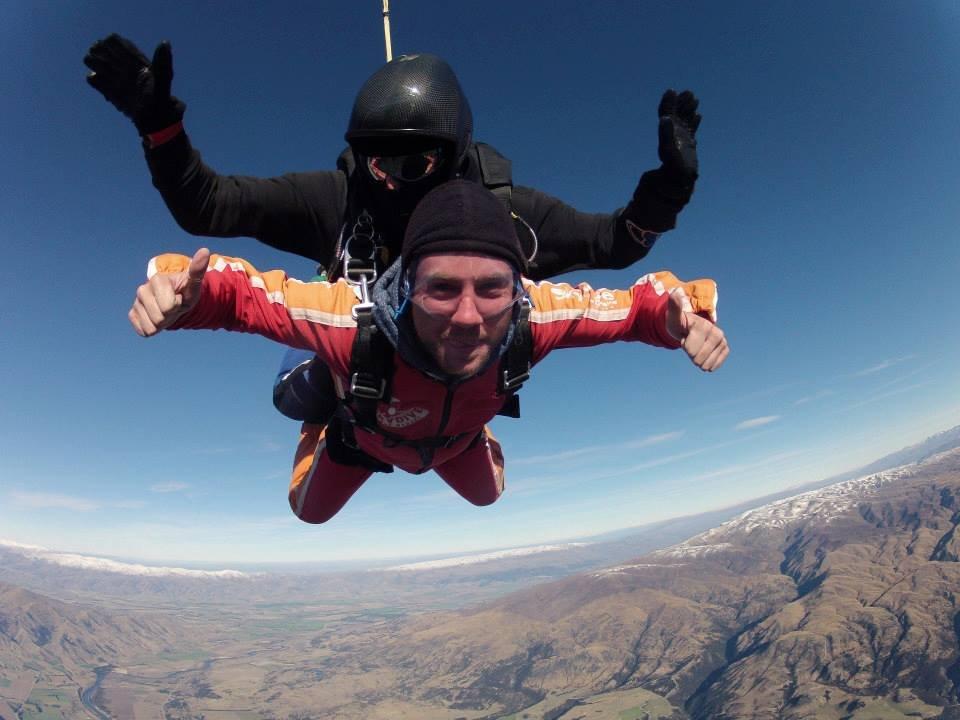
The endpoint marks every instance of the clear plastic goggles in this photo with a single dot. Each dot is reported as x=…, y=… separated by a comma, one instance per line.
x=443, y=298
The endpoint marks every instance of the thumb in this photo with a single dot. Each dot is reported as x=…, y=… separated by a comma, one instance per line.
x=198, y=266
x=162, y=69
x=678, y=306
x=190, y=286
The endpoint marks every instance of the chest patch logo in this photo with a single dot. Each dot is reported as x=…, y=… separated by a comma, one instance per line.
x=395, y=416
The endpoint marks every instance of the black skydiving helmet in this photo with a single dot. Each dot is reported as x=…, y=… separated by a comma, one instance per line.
x=410, y=129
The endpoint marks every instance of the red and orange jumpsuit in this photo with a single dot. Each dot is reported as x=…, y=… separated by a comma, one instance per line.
x=317, y=316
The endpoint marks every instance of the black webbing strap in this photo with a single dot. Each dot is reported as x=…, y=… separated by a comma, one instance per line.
x=342, y=447
x=516, y=363
x=368, y=368
x=495, y=173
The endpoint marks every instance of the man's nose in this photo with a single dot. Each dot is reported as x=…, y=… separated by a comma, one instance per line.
x=466, y=312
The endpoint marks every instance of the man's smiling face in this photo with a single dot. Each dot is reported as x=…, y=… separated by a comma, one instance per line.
x=461, y=308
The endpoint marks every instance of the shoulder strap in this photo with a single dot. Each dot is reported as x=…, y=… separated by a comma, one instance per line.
x=368, y=368
x=496, y=173
x=346, y=162
x=516, y=363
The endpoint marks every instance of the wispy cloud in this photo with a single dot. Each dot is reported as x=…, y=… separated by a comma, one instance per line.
x=128, y=504
x=648, y=441
x=887, y=394
x=169, y=487
x=883, y=365
x=756, y=422
x=818, y=395
x=653, y=439
x=741, y=468
x=53, y=500
x=211, y=451
x=602, y=475
x=58, y=501
x=269, y=445
x=532, y=485
x=740, y=398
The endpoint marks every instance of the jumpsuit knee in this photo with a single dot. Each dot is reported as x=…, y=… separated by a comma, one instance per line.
x=476, y=473
x=319, y=487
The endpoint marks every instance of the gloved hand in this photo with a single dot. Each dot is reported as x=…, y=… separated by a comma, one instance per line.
x=679, y=121
x=138, y=88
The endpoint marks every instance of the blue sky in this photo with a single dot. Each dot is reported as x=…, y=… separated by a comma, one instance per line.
x=826, y=210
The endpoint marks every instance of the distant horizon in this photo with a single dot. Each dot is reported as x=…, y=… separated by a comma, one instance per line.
x=391, y=563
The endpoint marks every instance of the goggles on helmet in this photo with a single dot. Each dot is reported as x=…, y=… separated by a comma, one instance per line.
x=442, y=298
x=404, y=168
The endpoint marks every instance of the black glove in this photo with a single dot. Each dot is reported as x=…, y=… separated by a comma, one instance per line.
x=138, y=88
x=679, y=121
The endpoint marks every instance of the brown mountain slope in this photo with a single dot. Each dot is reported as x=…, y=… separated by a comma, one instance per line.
x=822, y=605
x=876, y=613
x=38, y=633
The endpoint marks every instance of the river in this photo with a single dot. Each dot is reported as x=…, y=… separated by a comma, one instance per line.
x=87, y=695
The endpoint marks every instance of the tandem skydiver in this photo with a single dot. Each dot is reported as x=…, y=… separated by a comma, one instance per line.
x=410, y=129
x=448, y=312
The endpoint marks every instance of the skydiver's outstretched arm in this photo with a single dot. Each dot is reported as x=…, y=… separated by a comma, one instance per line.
x=214, y=292
x=298, y=212
x=658, y=310
x=570, y=239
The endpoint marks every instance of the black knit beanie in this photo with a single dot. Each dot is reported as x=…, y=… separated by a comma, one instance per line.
x=462, y=216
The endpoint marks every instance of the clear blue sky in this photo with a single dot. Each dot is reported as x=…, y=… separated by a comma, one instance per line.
x=826, y=210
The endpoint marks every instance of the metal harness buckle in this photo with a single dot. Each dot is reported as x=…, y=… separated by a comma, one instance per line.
x=361, y=388
x=361, y=271
x=512, y=383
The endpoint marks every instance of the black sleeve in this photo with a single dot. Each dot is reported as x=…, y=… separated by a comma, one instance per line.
x=569, y=239
x=298, y=213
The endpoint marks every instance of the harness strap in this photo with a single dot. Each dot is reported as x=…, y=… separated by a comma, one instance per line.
x=515, y=368
x=342, y=447
x=347, y=423
x=495, y=173
x=368, y=372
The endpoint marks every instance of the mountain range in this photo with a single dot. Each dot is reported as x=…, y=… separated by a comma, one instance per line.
x=835, y=602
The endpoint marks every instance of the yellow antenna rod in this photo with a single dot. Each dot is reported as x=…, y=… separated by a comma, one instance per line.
x=386, y=29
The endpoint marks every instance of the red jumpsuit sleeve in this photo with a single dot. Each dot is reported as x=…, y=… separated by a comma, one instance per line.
x=564, y=315
x=237, y=297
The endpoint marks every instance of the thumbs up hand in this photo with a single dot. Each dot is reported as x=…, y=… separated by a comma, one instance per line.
x=703, y=341
x=166, y=297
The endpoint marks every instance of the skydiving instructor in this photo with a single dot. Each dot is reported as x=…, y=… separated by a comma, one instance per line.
x=410, y=129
